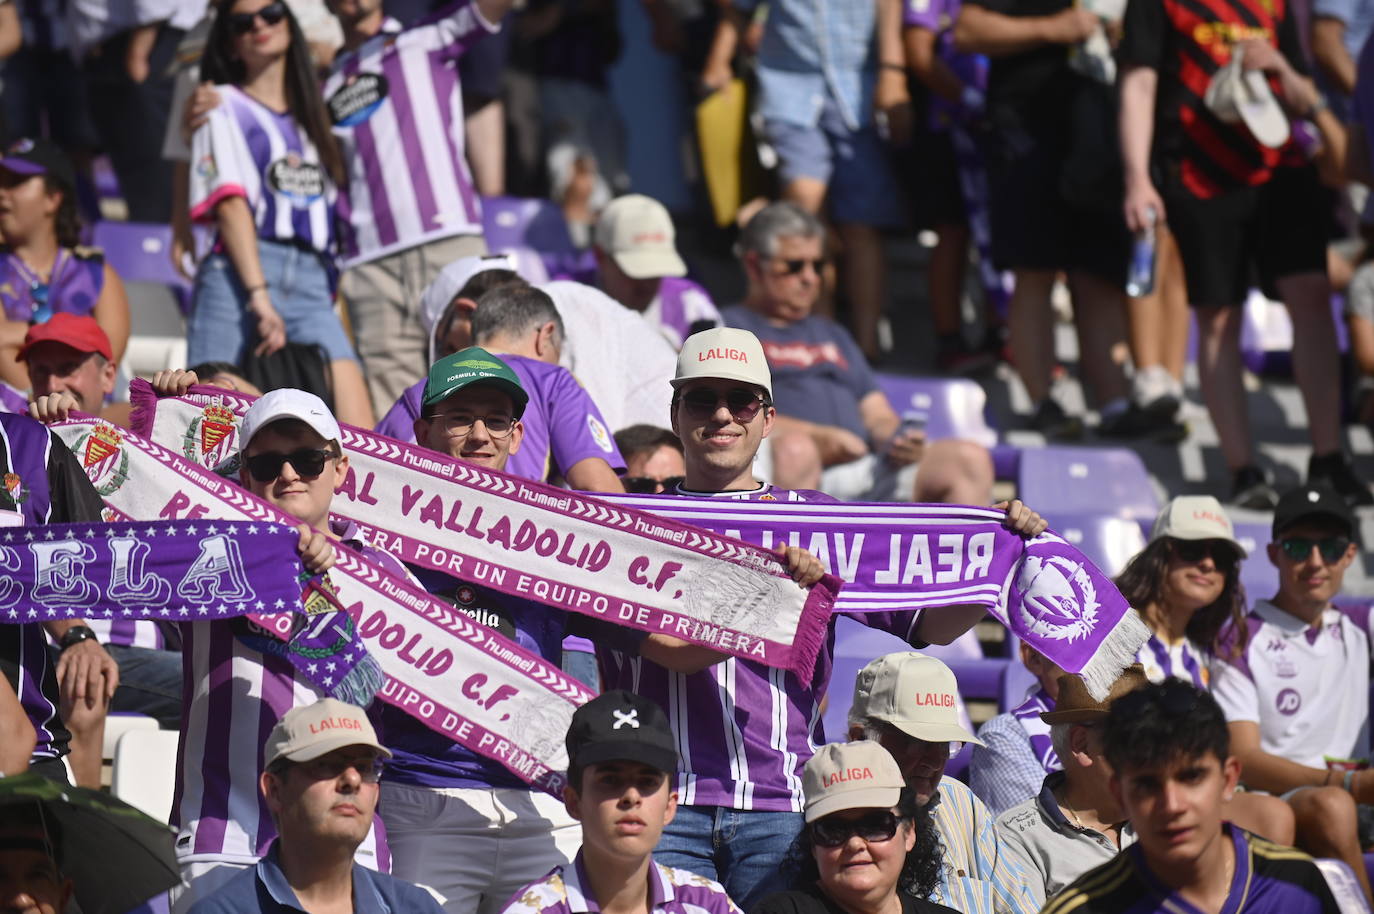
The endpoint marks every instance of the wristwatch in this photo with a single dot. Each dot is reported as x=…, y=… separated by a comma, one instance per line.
x=75, y=635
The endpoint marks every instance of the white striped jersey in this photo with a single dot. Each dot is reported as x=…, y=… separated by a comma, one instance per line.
x=397, y=110
x=245, y=149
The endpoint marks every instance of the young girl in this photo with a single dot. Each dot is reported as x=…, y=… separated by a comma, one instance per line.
x=265, y=169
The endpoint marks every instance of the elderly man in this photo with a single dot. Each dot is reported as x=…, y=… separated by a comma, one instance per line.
x=841, y=434
x=321, y=766
x=740, y=798
x=907, y=702
x=638, y=265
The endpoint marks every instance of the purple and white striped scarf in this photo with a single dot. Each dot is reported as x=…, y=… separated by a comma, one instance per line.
x=1027, y=714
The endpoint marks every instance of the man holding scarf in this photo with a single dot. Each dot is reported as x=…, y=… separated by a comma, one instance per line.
x=745, y=730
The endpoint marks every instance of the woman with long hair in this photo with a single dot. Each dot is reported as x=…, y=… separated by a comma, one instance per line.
x=43, y=268
x=867, y=847
x=266, y=171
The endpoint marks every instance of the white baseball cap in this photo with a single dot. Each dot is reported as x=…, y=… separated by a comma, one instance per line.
x=453, y=278
x=840, y=776
x=1195, y=517
x=288, y=403
x=637, y=232
x=1236, y=94
x=913, y=692
x=307, y=732
x=723, y=352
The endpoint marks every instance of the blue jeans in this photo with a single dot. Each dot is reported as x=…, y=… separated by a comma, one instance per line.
x=744, y=850
x=149, y=683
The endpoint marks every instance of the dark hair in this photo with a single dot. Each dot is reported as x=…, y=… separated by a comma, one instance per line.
x=515, y=310
x=1161, y=722
x=214, y=369
x=482, y=283
x=1142, y=583
x=33, y=817
x=920, y=874
x=645, y=439
x=67, y=219
x=218, y=64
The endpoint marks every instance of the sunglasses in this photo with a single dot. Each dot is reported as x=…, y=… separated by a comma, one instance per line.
x=648, y=485
x=327, y=769
x=1298, y=548
x=873, y=828
x=744, y=405
x=308, y=462
x=1222, y=553
x=793, y=267
x=271, y=14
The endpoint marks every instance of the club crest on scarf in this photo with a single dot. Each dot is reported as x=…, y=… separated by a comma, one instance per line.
x=1057, y=598
x=103, y=458
x=210, y=438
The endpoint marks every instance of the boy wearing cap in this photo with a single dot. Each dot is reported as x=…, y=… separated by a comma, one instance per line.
x=1173, y=775
x=321, y=765
x=620, y=763
x=1296, y=696
x=908, y=702
x=638, y=265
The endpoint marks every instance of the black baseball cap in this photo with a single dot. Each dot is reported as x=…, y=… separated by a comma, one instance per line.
x=621, y=726
x=1312, y=503
x=39, y=157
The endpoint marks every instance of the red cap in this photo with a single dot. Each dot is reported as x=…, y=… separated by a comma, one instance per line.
x=80, y=332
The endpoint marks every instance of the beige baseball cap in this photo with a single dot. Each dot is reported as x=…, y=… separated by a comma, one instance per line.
x=724, y=352
x=1195, y=517
x=310, y=731
x=913, y=692
x=842, y=776
x=637, y=232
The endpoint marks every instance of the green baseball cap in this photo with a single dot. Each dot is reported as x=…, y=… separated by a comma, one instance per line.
x=473, y=365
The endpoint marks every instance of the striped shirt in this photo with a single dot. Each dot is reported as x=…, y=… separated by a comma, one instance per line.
x=245, y=149
x=42, y=483
x=1184, y=660
x=1016, y=754
x=397, y=108
x=978, y=875
x=671, y=891
x=743, y=730
x=1269, y=879
x=232, y=697
x=128, y=633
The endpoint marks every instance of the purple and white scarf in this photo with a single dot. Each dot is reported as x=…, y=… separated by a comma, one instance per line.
x=561, y=548
x=459, y=678
x=1027, y=714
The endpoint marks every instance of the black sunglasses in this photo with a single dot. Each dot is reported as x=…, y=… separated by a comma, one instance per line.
x=308, y=462
x=1223, y=553
x=271, y=14
x=1298, y=548
x=648, y=485
x=874, y=828
x=793, y=267
x=744, y=404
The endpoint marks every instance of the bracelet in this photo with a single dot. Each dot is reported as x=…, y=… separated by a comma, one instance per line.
x=254, y=290
x=75, y=635
x=885, y=65
x=1349, y=781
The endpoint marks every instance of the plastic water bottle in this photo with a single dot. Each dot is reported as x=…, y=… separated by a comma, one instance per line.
x=1140, y=278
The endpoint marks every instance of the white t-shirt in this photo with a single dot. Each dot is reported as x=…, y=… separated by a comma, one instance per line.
x=1307, y=688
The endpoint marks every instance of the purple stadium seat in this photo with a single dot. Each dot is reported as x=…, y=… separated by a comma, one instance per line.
x=1108, y=541
x=1257, y=573
x=140, y=252
x=525, y=222
x=1087, y=480
x=1266, y=335
x=949, y=407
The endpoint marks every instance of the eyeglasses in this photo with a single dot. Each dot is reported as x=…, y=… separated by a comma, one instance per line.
x=873, y=828
x=271, y=14
x=459, y=425
x=1223, y=553
x=648, y=485
x=1299, y=548
x=308, y=462
x=793, y=267
x=328, y=769
x=744, y=404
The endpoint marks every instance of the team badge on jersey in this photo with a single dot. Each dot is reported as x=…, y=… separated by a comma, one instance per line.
x=15, y=489
x=599, y=434
x=357, y=99
x=300, y=182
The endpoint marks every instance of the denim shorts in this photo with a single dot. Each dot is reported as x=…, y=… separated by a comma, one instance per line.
x=220, y=326
x=853, y=164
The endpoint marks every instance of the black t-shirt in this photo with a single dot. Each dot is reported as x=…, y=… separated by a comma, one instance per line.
x=1027, y=89
x=1206, y=155
x=812, y=901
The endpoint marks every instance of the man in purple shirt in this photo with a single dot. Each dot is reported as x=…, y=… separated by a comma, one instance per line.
x=744, y=731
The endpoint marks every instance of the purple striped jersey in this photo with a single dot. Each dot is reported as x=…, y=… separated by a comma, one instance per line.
x=245, y=149
x=128, y=633
x=1184, y=660
x=232, y=697
x=397, y=111
x=744, y=730
x=566, y=890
